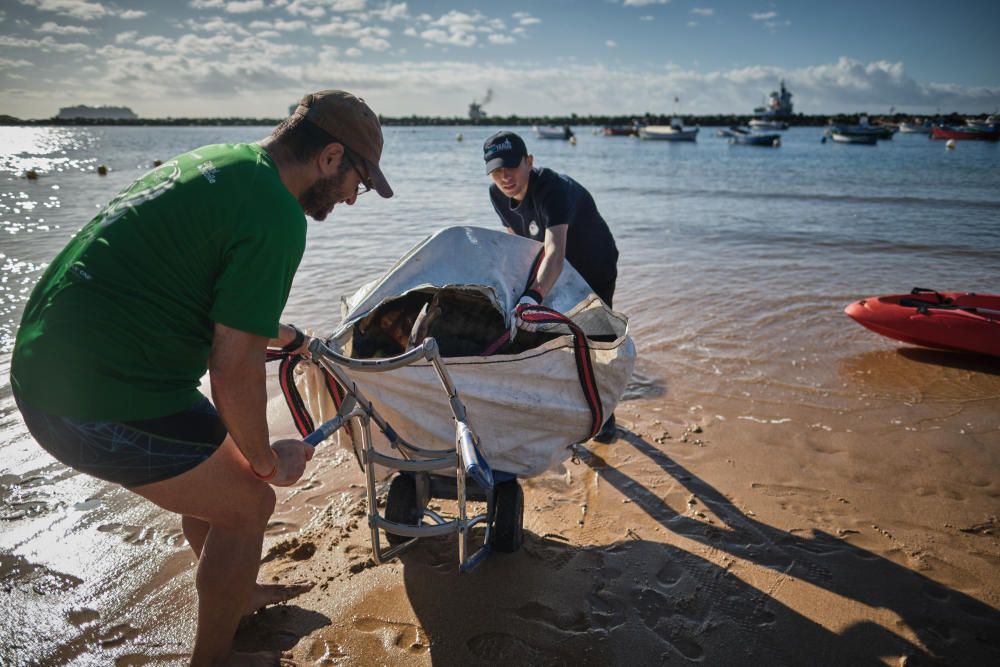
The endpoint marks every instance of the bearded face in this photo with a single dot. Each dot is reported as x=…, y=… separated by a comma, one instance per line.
x=320, y=198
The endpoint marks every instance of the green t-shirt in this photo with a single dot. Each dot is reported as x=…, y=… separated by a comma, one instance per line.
x=120, y=325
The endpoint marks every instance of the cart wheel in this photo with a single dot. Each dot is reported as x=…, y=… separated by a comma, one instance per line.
x=401, y=506
x=508, y=526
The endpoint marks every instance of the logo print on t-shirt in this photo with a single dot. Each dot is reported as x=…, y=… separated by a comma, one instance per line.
x=533, y=228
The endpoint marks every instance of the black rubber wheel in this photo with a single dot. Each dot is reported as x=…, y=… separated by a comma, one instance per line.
x=508, y=523
x=401, y=506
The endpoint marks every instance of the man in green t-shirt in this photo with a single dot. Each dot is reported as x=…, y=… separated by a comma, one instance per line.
x=188, y=270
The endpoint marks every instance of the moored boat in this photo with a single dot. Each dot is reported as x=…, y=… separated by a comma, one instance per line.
x=965, y=133
x=989, y=124
x=673, y=132
x=961, y=321
x=863, y=129
x=553, y=132
x=916, y=128
x=618, y=130
x=860, y=139
x=741, y=136
x=768, y=124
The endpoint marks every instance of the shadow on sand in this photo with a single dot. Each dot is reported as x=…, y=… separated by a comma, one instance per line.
x=646, y=602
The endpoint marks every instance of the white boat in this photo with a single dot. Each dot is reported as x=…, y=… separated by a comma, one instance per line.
x=553, y=132
x=768, y=124
x=987, y=125
x=916, y=128
x=863, y=139
x=778, y=106
x=673, y=132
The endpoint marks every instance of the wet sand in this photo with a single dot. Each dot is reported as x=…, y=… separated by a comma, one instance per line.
x=689, y=540
x=706, y=534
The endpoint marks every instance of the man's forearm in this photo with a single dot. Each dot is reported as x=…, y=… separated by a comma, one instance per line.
x=236, y=370
x=548, y=272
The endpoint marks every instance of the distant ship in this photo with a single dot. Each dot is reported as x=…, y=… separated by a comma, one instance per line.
x=476, y=111
x=771, y=115
x=83, y=111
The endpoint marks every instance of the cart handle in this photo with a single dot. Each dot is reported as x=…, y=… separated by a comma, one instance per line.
x=475, y=463
x=325, y=430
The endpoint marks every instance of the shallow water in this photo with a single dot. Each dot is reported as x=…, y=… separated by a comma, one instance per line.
x=736, y=263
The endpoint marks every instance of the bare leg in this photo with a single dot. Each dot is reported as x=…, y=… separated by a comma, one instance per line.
x=195, y=530
x=224, y=495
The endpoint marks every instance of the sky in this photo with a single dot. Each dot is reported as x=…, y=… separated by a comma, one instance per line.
x=254, y=58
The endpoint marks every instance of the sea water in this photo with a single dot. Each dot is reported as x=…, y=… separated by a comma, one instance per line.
x=735, y=265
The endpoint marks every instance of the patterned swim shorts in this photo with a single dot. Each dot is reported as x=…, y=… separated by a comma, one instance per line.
x=130, y=453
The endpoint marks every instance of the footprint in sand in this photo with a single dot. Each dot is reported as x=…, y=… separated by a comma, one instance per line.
x=82, y=617
x=571, y=622
x=606, y=608
x=411, y=638
x=499, y=648
x=116, y=635
x=670, y=574
x=17, y=571
x=326, y=652
x=555, y=557
x=655, y=610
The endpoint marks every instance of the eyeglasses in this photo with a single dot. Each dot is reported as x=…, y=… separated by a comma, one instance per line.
x=364, y=185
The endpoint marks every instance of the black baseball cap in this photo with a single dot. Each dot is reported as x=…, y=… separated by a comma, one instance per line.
x=503, y=149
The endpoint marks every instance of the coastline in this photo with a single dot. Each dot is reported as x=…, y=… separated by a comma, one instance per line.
x=837, y=506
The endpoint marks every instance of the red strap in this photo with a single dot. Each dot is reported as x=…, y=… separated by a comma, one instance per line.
x=584, y=364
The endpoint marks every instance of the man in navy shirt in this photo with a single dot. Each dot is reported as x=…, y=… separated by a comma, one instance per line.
x=543, y=205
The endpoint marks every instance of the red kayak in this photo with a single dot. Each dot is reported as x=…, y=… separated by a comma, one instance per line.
x=966, y=133
x=943, y=320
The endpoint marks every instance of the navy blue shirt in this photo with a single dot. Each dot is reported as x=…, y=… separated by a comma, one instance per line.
x=556, y=199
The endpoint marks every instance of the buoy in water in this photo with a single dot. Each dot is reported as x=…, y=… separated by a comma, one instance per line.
x=459, y=137
x=776, y=142
x=102, y=170
x=950, y=144
x=572, y=141
x=31, y=175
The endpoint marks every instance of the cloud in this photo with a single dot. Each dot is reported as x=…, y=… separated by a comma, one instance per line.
x=646, y=18
x=207, y=4
x=305, y=8
x=524, y=18
x=643, y=3
x=6, y=63
x=244, y=6
x=130, y=14
x=217, y=24
x=78, y=9
x=347, y=5
x=374, y=43
x=392, y=12
x=46, y=44
x=55, y=29
x=611, y=43
x=501, y=39
x=703, y=11
x=278, y=25
x=692, y=24
x=353, y=52
x=439, y=36
x=763, y=16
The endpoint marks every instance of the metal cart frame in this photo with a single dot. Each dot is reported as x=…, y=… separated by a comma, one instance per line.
x=466, y=459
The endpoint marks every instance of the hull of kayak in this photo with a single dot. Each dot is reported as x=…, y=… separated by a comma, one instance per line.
x=942, y=320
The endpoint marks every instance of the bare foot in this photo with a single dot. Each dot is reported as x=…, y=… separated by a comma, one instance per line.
x=260, y=659
x=266, y=594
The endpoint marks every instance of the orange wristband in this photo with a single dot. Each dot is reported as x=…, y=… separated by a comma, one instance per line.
x=269, y=476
